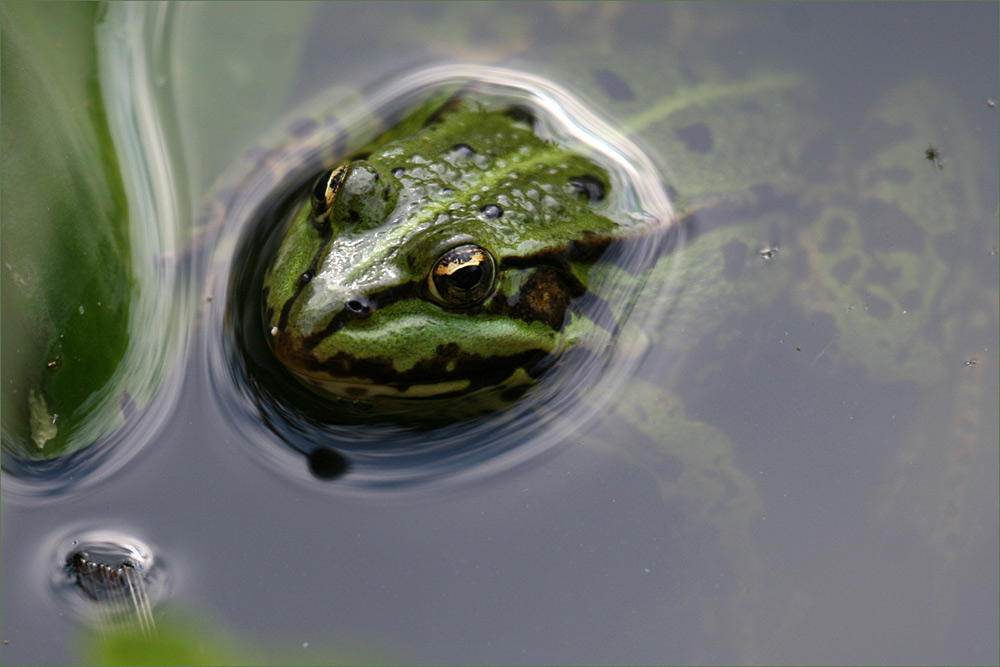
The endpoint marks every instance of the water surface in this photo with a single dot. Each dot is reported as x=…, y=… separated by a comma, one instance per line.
x=873, y=537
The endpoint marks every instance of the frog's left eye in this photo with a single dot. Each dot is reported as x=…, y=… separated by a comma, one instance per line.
x=462, y=277
x=323, y=194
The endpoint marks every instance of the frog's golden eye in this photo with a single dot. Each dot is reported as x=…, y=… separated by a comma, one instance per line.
x=462, y=277
x=323, y=194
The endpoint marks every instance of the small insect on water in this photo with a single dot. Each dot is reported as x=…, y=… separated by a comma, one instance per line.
x=934, y=155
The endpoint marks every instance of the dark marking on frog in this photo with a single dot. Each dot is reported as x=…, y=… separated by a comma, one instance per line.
x=613, y=85
x=521, y=114
x=544, y=298
x=845, y=269
x=304, y=278
x=734, y=258
x=696, y=138
x=462, y=150
x=589, y=247
x=449, y=363
x=513, y=394
x=451, y=105
x=590, y=186
x=887, y=227
x=835, y=231
x=877, y=307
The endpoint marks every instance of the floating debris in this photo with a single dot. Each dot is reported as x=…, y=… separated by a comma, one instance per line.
x=991, y=103
x=119, y=590
x=110, y=580
x=44, y=423
x=971, y=362
x=934, y=155
x=769, y=253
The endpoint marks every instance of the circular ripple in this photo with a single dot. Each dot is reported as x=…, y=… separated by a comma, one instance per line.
x=330, y=439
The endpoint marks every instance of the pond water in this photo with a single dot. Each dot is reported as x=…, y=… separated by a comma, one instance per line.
x=768, y=475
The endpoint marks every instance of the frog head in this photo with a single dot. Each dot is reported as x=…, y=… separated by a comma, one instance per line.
x=443, y=262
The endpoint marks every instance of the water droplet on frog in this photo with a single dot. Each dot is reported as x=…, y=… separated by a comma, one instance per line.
x=491, y=211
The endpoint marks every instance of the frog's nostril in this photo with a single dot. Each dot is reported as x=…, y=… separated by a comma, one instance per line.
x=358, y=307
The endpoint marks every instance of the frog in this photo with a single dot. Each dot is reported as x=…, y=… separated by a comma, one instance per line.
x=420, y=234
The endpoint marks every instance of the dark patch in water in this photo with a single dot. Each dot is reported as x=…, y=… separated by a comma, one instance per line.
x=613, y=85
x=327, y=464
x=697, y=138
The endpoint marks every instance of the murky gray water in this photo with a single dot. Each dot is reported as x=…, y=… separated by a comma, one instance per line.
x=827, y=512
